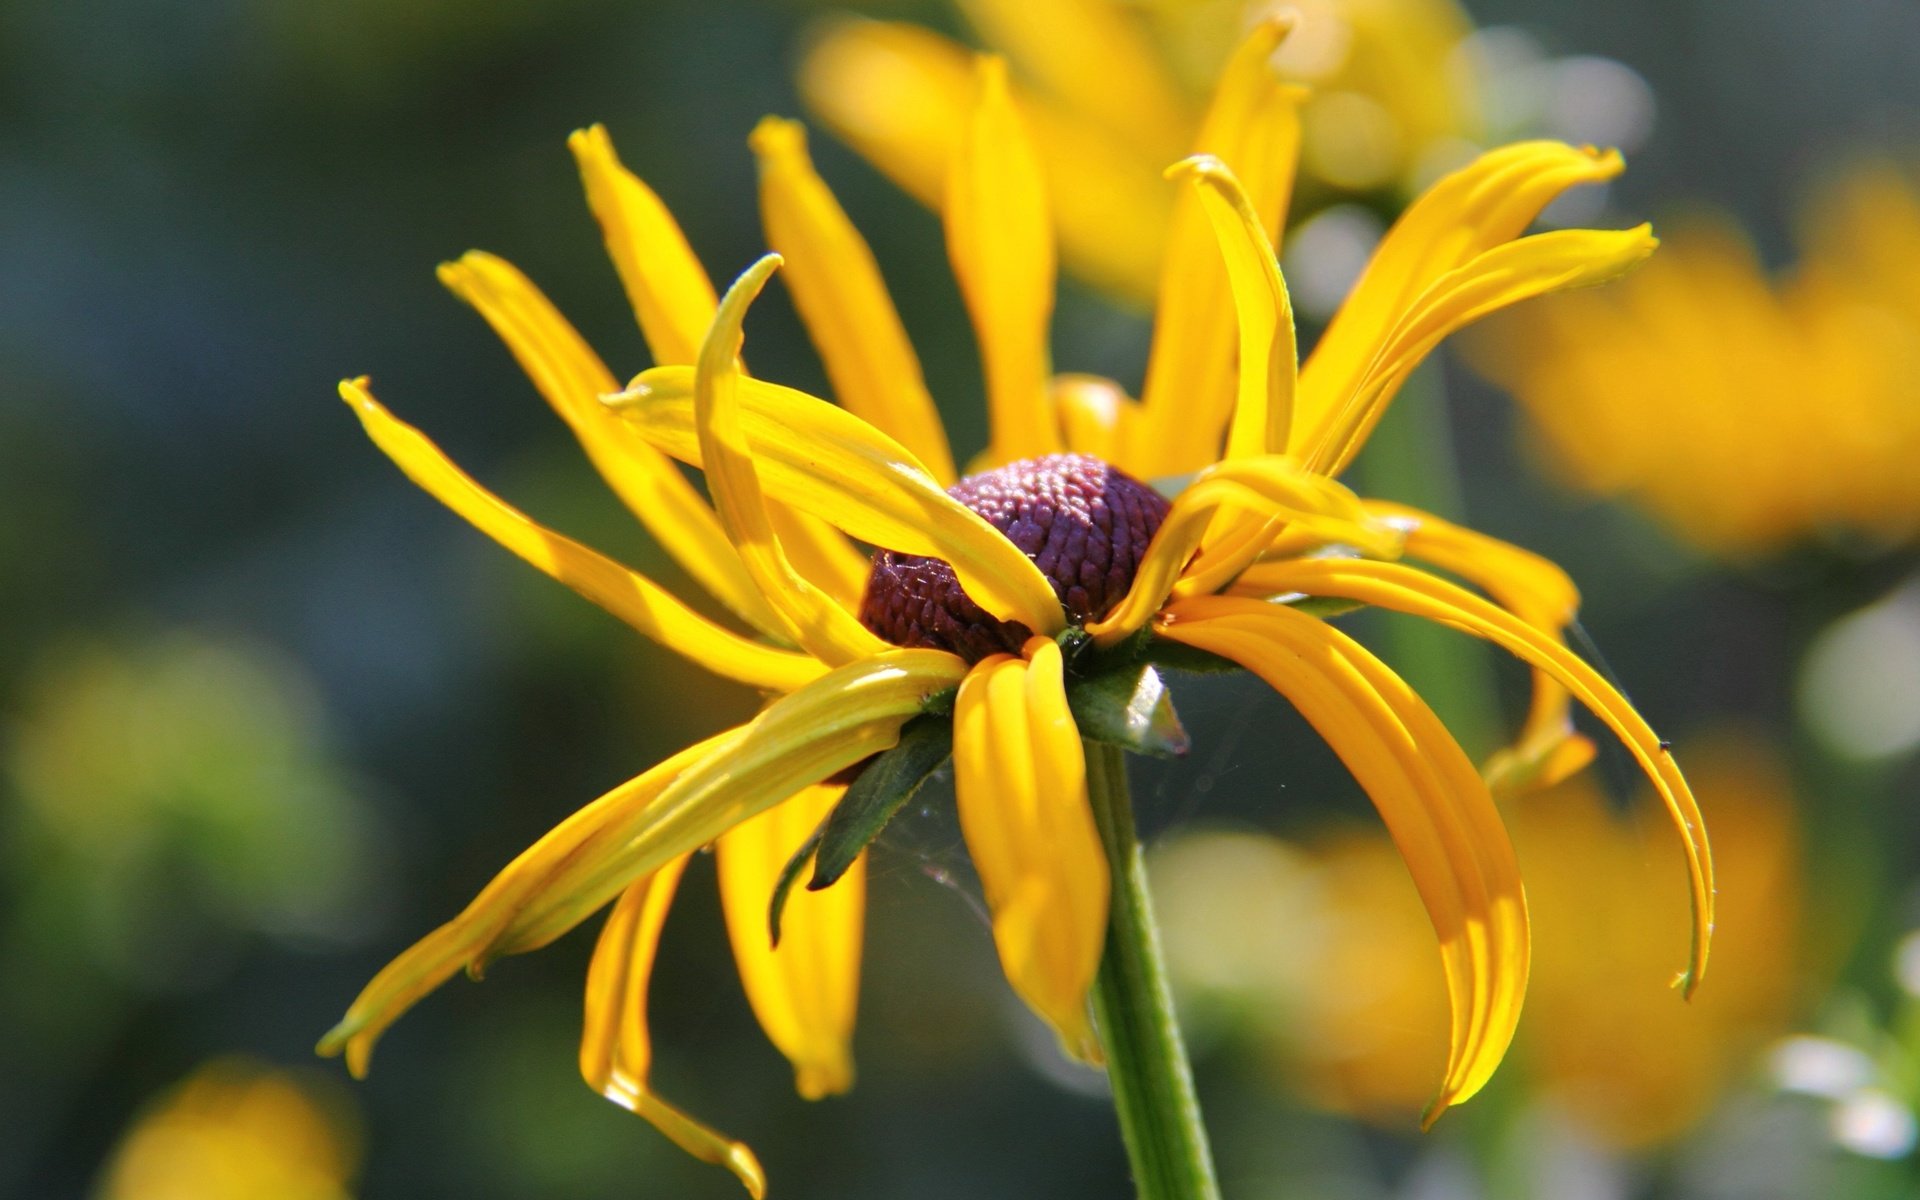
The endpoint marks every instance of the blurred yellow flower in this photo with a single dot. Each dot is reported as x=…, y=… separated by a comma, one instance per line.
x=992, y=599
x=1744, y=413
x=1117, y=90
x=237, y=1130
x=1358, y=1017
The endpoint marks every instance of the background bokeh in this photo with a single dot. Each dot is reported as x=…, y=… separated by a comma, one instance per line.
x=267, y=713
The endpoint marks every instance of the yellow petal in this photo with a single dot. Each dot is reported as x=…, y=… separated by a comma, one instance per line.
x=818, y=623
x=1504, y=275
x=898, y=93
x=1020, y=777
x=632, y=597
x=1435, y=805
x=1096, y=415
x=1263, y=409
x=668, y=288
x=796, y=741
x=464, y=940
x=1261, y=488
x=827, y=462
x=1252, y=125
x=572, y=379
x=1000, y=238
x=615, y=1050
x=805, y=991
x=838, y=289
x=1408, y=590
x=1489, y=201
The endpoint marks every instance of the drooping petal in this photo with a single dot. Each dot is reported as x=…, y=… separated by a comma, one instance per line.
x=1434, y=804
x=1020, y=778
x=837, y=287
x=1482, y=205
x=1000, y=238
x=1252, y=125
x=572, y=379
x=671, y=295
x=464, y=941
x=615, y=1049
x=632, y=597
x=827, y=462
x=1096, y=415
x=817, y=622
x=898, y=93
x=1406, y=589
x=1504, y=275
x=1262, y=488
x=1268, y=362
x=804, y=991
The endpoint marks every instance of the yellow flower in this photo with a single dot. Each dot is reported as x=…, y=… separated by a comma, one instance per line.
x=1745, y=415
x=236, y=1130
x=1342, y=995
x=1060, y=569
x=1115, y=91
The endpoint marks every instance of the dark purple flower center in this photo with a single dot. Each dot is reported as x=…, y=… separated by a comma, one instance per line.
x=1083, y=523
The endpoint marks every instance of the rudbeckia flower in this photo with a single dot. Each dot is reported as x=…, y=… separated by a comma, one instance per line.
x=1014, y=617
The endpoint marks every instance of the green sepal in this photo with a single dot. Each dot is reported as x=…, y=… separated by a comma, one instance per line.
x=1324, y=607
x=784, y=884
x=1130, y=708
x=882, y=790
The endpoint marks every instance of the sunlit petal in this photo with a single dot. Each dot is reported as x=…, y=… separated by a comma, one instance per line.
x=804, y=991
x=1096, y=415
x=632, y=597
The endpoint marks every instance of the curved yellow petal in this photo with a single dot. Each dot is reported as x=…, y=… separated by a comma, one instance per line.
x=837, y=287
x=806, y=990
x=1408, y=590
x=632, y=597
x=1020, y=777
x=465, y=940
x=1435, y=805
x=1252, y=125
x=615, y=1049
x=1263, y=488
x=1489, y=201
x=1268, y=359
x=796, y=741
x=572, y=379
x=818, y=623
x=1096, y=415
x=1000, y=238
x=1504, y=275
x=827, y=462
x=671, y=295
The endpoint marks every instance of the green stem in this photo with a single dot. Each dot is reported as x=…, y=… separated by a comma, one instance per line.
x=1146, y=1060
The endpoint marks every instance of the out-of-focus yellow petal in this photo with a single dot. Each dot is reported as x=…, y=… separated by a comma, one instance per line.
x=838, y=289
x=1504, y=275
x=1537, y=591
x=1096, y=415
x=615, y=1049
x=464, y=940
x=668, y=288
x=572, y=379
x=1020, y=777
x=827, y=462
x=1482, y=205
x=1406, y=589
x=1000, y=238
x=804, y=991
x=795, y=742
x=1434, y=804
x=1269, y=486
x=1252, y=125
x=632, y=597
x=1263, y=409
x=1094, y=58
x=818, y=623
x=898, y=93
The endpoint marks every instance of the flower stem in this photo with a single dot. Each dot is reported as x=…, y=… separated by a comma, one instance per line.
x=1146, y=1060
